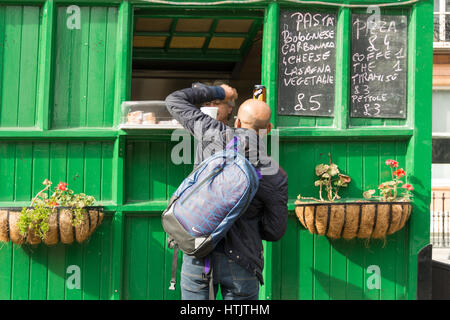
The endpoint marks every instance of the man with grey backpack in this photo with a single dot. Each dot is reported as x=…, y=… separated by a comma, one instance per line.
x=235, y=198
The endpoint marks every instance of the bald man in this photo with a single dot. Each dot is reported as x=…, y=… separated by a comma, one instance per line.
x=238, y=259
x=254, y=114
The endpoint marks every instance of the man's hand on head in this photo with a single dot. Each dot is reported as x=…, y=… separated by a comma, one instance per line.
x=230, y=93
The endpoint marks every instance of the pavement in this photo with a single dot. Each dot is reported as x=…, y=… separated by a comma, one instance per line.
x=441, y=255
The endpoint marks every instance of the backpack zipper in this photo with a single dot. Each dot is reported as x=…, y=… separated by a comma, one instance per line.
x=209, y=176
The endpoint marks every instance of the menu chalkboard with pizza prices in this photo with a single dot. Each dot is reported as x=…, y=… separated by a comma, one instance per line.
x=378, y=66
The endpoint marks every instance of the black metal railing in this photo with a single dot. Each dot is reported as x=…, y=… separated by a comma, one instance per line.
x=440, y=220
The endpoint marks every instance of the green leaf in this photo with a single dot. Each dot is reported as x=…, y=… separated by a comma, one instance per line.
x=321, y=169
x=338, y=183
x=333, y=170
x=368, y=194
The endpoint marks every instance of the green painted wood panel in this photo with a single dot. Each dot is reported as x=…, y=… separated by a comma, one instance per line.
x=147, y=260
x=85, y=69
x=301, y=271
x=41, y=272
x=307, y=266
x=355, y=158
x=20, y=28
x=85, y=166
x=151, y=175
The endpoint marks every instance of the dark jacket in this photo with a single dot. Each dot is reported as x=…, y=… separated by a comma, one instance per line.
x=266, y=216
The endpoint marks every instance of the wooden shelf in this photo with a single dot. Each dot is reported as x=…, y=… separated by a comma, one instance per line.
x=385, y=133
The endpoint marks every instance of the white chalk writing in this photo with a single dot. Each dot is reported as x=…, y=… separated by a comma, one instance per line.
x=307, y=62
x=378, y=66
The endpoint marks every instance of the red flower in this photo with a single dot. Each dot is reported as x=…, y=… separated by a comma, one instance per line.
x=408, y=186
x=400, y=173
x=392, y=163
x=381, y=186
x=62, y=186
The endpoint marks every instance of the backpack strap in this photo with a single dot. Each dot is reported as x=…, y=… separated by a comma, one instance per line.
x=234, y=144
x=173, y=281
x=258, y=173
x=208, y=275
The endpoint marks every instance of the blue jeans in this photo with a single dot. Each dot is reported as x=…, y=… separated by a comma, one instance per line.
x=236, y=283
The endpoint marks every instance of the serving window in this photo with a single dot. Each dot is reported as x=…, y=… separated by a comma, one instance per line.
x=173, y=50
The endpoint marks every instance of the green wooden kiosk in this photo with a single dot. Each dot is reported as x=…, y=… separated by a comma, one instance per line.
x=67, y=66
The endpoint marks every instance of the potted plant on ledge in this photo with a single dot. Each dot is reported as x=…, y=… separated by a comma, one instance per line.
x=372, y=218
x=58, y=216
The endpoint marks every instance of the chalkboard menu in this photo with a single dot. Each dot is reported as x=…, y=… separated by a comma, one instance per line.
x=306, y=63
x=378, y=66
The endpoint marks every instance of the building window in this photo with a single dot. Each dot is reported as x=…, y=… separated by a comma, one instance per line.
x=441, y=139
x=441, y=37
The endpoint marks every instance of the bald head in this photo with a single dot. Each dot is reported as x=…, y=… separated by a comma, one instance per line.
x=254, y=114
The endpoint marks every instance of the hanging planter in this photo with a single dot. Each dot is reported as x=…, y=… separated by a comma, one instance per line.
x=60, y=226
x=60, y=217
x=373, y=218
x=364, y=220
